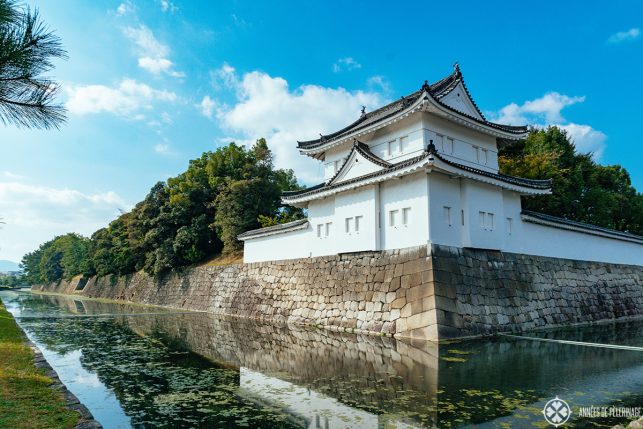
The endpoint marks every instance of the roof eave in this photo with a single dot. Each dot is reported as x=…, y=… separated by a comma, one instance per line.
x=257, y=232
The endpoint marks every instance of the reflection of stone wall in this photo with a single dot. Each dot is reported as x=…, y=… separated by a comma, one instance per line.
x=375, y=368
x=452, y=292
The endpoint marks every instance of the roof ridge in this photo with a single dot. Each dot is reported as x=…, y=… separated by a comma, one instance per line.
x=436, y=90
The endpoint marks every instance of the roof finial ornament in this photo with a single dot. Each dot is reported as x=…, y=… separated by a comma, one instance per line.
x=321, y=137
x=363, y=110
x=431, y=147
x=355, y=141
x=425, y=86
x=456, y=67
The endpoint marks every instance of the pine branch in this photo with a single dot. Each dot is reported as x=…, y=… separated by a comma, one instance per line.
x=27, y=50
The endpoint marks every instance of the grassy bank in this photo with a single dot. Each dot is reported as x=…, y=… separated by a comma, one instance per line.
x=26, y=401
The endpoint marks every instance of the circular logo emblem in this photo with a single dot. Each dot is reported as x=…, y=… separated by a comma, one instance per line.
x=557, y=411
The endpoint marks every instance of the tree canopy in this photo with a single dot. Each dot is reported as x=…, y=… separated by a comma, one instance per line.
x=27, y=51
x=181, y=222
x=582, y=189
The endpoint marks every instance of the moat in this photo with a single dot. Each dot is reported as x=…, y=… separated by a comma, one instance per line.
x=144, y=367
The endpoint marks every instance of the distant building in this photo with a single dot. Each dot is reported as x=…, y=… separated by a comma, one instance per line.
x=9, y=273
x=422, y=170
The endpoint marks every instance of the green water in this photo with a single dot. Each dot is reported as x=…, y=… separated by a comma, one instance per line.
x=145, y=367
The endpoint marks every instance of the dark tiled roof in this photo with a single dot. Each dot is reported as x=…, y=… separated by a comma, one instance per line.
x=437, y=90
x=365, y=120
x=528, y=183
x=324, y=187
x=283, y=227
x=581, y=225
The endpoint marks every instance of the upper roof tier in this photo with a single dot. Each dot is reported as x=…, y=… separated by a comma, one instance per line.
x=437, y=98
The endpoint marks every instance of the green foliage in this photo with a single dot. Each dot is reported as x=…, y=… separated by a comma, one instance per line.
x=26, y=397
x=192, y=217
x=582, y=190
x=27, y=49
x=63, y=257
x=12, y=281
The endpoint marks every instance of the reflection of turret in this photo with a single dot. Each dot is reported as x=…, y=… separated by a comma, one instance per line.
x=314, y=410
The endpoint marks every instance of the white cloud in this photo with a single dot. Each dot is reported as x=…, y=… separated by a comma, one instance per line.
x=346, y=63
x=586, y=139
x=157, y=66
x=167, y=5
x=144, y=39
x=122, y=9
x=206, y=106
x=162, y=148
x=546, y=110
x=128, y=99
x=166, y=118
x=35, y=213
x=547, y=107
x=12, y=176
x=267, y=107
x=153, y=54
x=379, y=83
x=225, y=77
x=624, y=36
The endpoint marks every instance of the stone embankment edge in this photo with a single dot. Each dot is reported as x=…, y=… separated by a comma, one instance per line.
x=87, y=420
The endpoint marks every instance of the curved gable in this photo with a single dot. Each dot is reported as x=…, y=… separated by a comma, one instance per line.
x=360, y=162
x=458, y=99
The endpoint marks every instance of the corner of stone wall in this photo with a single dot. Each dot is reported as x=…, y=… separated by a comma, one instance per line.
x=418, y=318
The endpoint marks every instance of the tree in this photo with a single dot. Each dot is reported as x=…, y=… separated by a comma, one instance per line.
x=192, y=217
x=27, y=51
x=582, y=190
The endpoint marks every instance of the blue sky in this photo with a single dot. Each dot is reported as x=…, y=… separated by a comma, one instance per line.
x=151, y=84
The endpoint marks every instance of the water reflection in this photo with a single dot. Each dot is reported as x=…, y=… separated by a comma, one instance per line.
x=199, y=370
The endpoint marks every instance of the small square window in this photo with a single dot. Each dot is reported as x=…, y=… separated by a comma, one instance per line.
x=485, y=156
x=358, y=221
x=509, y=225
x=482, y=219
x=319, y=230
x=328, y=225
x=392, y=217
x=406, y=213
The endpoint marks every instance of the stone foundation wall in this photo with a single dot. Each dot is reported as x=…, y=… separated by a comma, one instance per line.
x=481, y=291
x=422, y=292
x=378, y=292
